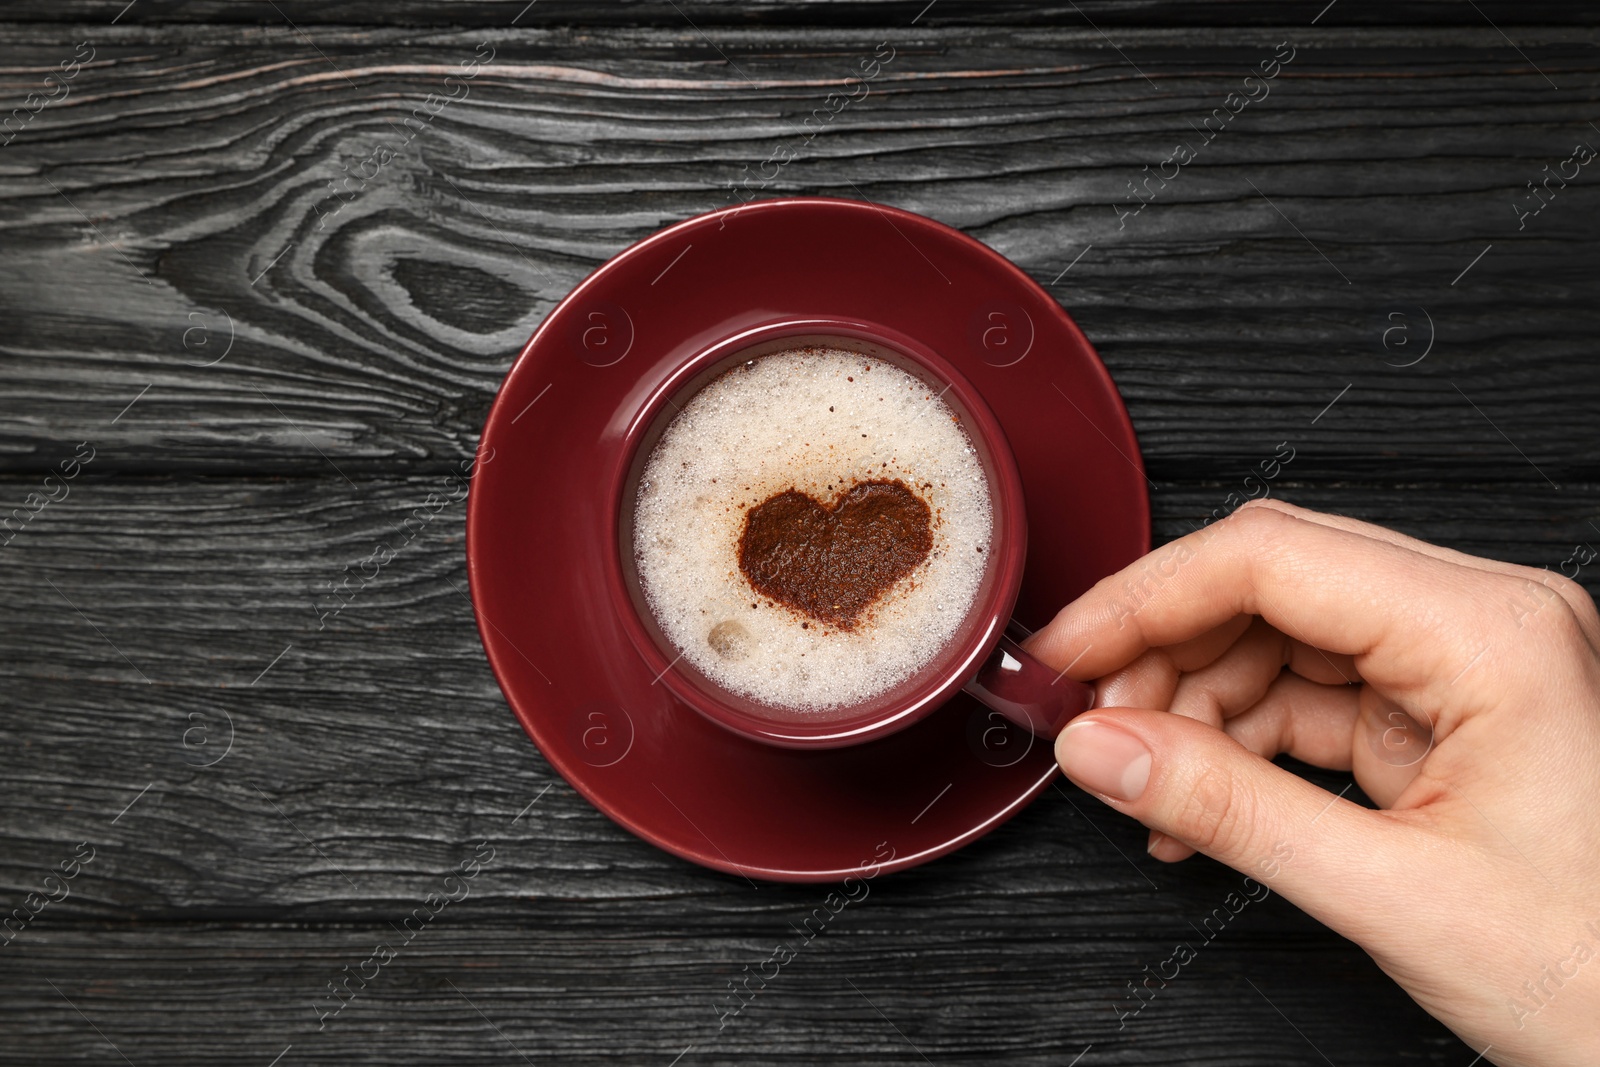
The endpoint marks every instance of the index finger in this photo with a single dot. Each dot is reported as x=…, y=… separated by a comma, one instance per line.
x=1410, y=620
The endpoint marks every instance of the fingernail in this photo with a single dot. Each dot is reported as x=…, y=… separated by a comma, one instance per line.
x=1156, y=838
x=1104, y=759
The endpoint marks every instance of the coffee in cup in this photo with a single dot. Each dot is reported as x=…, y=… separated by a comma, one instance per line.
x=812, y=528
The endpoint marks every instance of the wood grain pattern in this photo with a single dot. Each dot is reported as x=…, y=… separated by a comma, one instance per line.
x=199, y=584
x=473, y=994
x=830, y=13
x=192, y=208
x=177, y=197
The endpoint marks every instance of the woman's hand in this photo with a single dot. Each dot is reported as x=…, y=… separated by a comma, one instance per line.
x=1462, y=692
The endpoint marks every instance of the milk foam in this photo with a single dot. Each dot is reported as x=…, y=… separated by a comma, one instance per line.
x=819, y=421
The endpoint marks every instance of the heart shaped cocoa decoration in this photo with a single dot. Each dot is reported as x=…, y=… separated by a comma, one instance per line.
x=832, y=563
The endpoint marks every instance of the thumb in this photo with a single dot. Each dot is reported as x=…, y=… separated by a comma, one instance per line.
x=1344, y=864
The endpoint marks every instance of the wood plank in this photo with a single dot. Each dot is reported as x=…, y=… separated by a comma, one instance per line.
x=369, y=754
x=872, y=987
x=186, y=161
x=830, y=13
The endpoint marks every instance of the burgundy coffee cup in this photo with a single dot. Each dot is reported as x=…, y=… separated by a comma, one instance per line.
x=981, y=658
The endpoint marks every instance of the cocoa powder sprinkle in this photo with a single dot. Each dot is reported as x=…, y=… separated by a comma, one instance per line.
x=832, y=563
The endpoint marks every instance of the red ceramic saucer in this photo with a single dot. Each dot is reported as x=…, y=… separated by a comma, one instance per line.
x=538, y=531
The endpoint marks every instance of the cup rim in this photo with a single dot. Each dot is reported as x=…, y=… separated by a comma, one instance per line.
x=929, y=687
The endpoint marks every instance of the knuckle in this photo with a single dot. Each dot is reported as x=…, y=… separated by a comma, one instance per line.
x=1213, y=814
x=1556, y=622
x=1586, y=611
x=1250, y=511
x=1260, y=523
x=1576, y=597
x=1548, y=606
x=1522, y=598
x=1263, y=504
x=1562, y=585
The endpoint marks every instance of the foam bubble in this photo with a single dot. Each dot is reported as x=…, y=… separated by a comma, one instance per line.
x=819, y=421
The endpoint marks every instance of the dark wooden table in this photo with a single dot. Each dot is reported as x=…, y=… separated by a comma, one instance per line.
x=270, y=372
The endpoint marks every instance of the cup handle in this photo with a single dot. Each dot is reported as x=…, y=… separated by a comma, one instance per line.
x=1027, y=692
